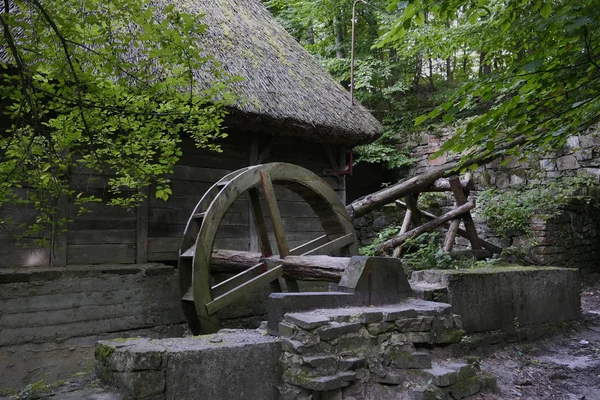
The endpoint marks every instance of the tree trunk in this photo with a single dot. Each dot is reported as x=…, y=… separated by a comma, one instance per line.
x=338, y=31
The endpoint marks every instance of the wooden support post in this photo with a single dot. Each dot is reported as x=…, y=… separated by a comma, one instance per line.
x=451, y=235
x=412, y=216
x=461, y=199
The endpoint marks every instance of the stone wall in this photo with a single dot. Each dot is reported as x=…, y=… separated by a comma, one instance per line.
x=571, y=239
x=50, y=318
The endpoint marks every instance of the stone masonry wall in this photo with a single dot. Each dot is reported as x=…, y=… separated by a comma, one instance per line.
x=571, y=239
x=50, y=318
x=379, y=352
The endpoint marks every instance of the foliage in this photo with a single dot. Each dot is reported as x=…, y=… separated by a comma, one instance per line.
x=382, y=236
x=539, y=70
x=422, y=252
x=385, y=150
x=105, y=88
x=508, y=212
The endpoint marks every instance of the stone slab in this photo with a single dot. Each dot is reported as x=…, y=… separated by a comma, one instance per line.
x=230, y=364
x=505, y=298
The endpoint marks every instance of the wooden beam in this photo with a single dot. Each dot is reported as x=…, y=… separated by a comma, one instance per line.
x=461, y=199
x=420, y=182
x=310, y=268
x=425, y=227
x=461, y=232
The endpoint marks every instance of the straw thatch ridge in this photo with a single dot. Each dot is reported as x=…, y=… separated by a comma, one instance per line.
x=286, y=90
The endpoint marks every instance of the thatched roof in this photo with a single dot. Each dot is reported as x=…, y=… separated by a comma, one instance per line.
x=287, y=91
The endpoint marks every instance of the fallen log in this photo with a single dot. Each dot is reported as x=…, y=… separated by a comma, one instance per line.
x=489, y=246
x=306, y=268
x=421, y=182
x=398, y=240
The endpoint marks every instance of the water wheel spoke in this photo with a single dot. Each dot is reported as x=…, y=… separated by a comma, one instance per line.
x=278, y=230
x=259, y=222
x=245, y=288
x=261, y=229
x=274, y=214
x=327, y=248
x=237, y=280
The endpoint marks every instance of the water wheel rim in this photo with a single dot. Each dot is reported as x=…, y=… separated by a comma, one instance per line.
x=218, y=200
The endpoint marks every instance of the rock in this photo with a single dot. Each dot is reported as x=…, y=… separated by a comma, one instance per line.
x=324, y=364
x=352, y=363
x=321, y=383
x=413, y=361
x=336, y=329
x=379, y=328
x=369, y=317
x=307, y=320
x=429, y=392
x=441, y=376
x=331, y=395
x=400, y=313
x=465, y=388
x=420, y=324
x=291, y=392
x=567, y=163
x=140, y=384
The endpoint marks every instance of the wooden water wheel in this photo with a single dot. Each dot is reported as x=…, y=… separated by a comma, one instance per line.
x=200, y=298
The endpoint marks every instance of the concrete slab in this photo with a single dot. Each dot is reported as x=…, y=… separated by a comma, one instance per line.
x=508, y=298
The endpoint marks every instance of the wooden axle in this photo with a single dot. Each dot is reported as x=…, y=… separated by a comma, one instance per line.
x=306, y=268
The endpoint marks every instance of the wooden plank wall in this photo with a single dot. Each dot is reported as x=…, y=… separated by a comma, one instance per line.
x=153, y=232
x=16, y=250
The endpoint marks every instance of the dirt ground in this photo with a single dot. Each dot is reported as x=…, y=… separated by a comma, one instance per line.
x=562, y=366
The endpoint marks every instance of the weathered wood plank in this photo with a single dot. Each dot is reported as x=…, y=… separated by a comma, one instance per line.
x=141, y=255
x=92, y=236
x=101, y=253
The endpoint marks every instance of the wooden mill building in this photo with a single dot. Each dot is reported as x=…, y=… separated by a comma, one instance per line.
x=291, y=110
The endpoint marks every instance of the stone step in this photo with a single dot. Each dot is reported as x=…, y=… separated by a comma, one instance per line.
x=443, y=375
x=429, y=291
x=345, y=318
x=320, y=383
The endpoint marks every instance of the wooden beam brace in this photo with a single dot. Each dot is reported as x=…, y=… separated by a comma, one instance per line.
x=461, y=232
x=425, y=227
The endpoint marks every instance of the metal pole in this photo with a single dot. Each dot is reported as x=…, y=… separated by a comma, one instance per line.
x=352, y=50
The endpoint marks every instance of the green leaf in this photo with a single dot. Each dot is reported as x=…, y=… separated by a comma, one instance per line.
x=420, y=119
x=546, y=10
